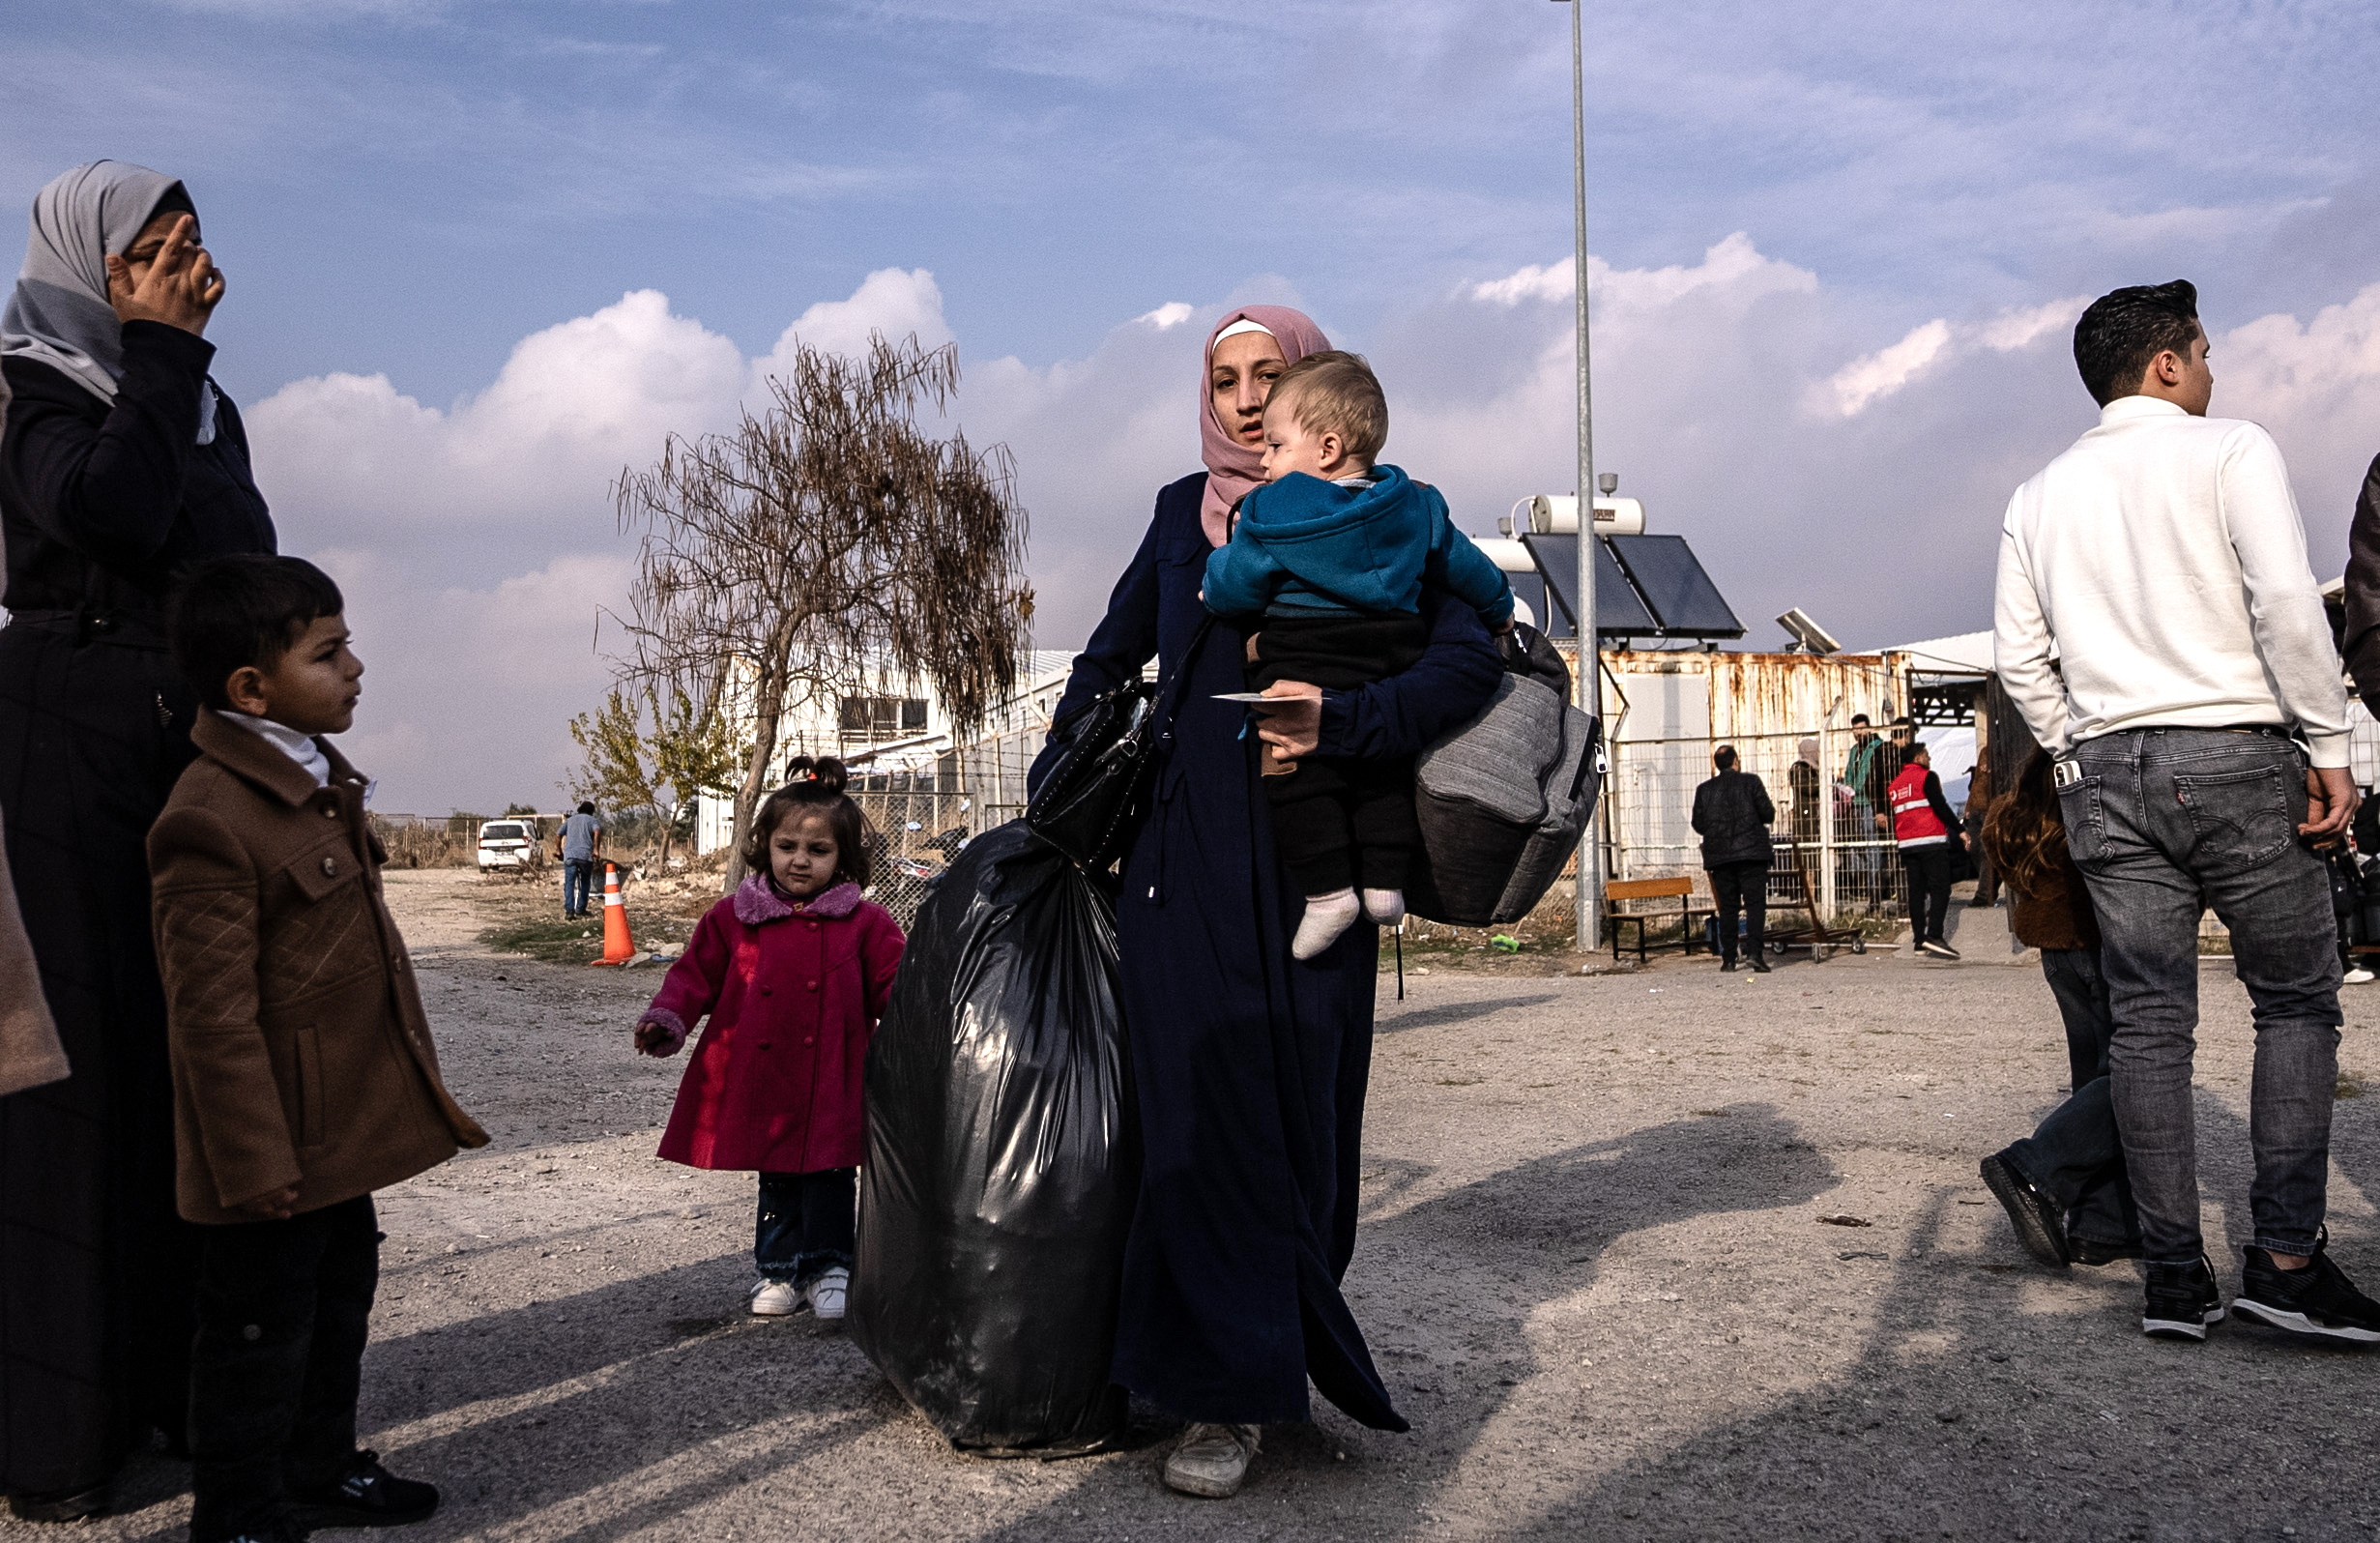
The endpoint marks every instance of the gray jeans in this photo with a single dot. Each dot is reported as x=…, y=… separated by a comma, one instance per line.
x=2162, y=822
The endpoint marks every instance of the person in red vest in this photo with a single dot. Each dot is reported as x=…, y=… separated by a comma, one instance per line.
x=1924, y=825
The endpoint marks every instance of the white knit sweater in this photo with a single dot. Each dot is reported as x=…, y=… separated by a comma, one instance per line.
x=2162, y=558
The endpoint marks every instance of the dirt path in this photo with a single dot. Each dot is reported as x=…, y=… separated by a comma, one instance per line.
x=1593, y=1268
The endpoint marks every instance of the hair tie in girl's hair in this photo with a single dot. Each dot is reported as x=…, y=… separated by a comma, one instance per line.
x=829, y=774
x=799, y=770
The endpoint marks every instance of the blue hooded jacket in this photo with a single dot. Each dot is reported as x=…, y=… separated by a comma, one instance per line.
x=1307, y=547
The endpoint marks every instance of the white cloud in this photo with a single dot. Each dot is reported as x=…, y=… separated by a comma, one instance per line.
x=478, y=541
x=1872, y=377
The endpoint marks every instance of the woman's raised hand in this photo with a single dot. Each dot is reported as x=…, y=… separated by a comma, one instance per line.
x=178, y=286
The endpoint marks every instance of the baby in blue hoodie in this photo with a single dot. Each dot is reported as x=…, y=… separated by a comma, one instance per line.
x=1331, y=553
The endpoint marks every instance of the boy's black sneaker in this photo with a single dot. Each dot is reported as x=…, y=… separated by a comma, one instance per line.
x=2182, y=1300
x=367, y=1496
x=2318, y=1300
x=2039, y=1220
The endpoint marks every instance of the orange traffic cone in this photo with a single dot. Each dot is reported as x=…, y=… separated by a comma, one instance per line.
x=617, y=949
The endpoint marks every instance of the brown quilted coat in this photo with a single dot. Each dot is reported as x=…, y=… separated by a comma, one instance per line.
x=301, y=1052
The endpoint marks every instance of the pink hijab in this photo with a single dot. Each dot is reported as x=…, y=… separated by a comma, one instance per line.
x=1233, y=468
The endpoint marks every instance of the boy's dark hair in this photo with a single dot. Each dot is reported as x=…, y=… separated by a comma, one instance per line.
x=586, y=808
x=1335, y=393
x=1858, y=718
x=229, y=613
x=1724, y=758
x=813, y=787
x=2125, y=329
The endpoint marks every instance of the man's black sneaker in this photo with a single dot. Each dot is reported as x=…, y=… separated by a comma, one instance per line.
x=367, y=1496
x=2182, y=1300
x=1727, y=966
x=2039, y=1220
x=1939, y=948
x=2318, y=1300
x=1759, y=965
x=2091, y=1251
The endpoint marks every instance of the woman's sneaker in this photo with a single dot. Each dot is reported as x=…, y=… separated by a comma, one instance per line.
x=1212, y=1460
x=831, y=1293
x=775, y=1299
x=2318, y=1300
x=2182, y=1300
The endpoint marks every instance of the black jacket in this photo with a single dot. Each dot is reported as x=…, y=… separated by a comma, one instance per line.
x=2362, y=648
x=1732, y=814
x=102, y=504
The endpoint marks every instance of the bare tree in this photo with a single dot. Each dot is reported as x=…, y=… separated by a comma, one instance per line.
x=643, y=756
x=826, y=542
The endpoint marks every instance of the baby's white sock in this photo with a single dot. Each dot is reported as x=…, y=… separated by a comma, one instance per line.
x=1386, y=906
x=1326, y=916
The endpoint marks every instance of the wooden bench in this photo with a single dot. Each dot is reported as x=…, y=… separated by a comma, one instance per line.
x=1681, y=887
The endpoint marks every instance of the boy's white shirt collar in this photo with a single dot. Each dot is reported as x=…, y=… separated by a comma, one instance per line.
x=299, y=748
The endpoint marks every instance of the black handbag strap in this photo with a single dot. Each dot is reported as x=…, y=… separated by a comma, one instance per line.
x=1162, y=718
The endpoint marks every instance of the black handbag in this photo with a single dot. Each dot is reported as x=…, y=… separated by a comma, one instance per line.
x=1096, y=795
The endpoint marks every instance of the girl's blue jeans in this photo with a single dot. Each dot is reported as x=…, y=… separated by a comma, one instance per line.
x=808, y=1224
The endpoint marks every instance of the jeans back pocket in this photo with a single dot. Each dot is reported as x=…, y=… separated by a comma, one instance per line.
x=2241, y=819
x=2081, y=807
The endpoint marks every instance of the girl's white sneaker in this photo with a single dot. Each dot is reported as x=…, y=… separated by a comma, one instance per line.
x=829, y=1292
x=775, y=1299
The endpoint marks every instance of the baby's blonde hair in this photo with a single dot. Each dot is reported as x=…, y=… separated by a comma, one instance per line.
x=1335, y=393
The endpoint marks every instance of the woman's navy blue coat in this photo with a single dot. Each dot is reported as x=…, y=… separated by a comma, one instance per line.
x=1249, y=1066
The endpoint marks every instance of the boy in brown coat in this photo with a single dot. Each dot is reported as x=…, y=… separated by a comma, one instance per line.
x=303, y=1074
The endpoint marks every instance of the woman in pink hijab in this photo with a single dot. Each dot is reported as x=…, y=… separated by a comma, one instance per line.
x=1249, y=1065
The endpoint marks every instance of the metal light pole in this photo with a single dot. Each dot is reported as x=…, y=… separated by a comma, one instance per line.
x=1591, y=851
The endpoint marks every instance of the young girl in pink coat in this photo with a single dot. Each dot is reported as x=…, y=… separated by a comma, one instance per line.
x=794, y=969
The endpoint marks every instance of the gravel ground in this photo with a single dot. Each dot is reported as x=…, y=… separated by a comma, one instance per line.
x=1593, y=1268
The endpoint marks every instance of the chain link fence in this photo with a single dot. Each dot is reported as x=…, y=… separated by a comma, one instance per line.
x=1835, y=854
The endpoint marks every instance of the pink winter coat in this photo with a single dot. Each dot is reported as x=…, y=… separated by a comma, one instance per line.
x=794, y=991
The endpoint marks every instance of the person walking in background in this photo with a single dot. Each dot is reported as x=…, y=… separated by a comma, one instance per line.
x=1927, y=831
x=578, y=843
x=121, y=466
x=1863, y=773
x=2162, y=558
x=2064, y=1186
x=1807, y=787
x=1732, y=814
x=1979, y=808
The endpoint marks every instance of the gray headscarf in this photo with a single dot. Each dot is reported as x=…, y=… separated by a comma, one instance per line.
x=59, y=312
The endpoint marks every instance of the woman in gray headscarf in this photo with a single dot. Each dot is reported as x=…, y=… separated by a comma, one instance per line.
x=120, y=465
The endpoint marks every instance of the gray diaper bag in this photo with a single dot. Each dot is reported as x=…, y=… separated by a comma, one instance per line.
x=1503, y=800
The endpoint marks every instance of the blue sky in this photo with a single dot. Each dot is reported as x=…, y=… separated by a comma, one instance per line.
x=1869, y=217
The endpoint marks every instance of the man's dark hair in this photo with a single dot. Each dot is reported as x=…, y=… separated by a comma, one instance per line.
x=1858, y=718
x=233, y=612
x=586, y=808
x=2125, y=329
x=1724, y=758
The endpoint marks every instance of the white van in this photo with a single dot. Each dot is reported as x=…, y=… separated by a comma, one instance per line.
x=507, y=844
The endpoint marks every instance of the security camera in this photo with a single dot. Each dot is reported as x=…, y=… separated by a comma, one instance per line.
x=1807, y=634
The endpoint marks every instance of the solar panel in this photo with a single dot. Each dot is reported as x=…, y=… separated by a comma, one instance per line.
x=1618, y=612
x=1665, y=570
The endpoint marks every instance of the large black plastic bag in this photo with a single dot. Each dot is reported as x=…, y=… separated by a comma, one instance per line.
x=1001, y=1157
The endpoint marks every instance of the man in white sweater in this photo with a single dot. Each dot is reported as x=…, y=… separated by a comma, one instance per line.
x=2201, y=725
